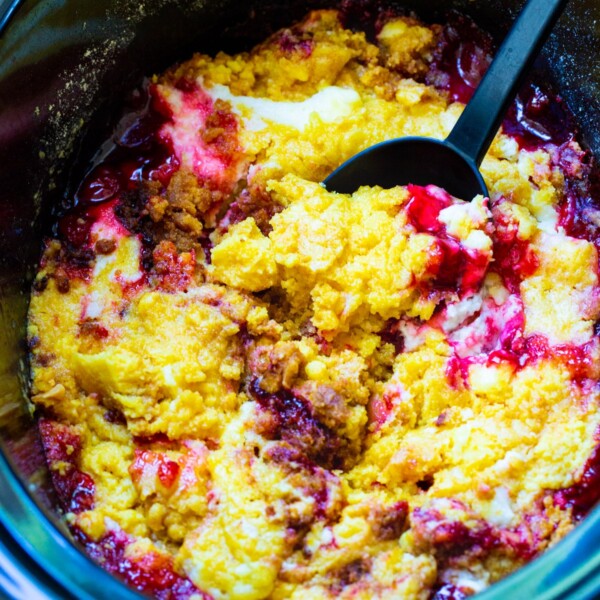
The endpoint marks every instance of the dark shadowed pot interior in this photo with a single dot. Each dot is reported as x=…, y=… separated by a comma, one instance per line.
x=65, y=66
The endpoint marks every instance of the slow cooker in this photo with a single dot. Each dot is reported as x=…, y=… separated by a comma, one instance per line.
x=65, y=67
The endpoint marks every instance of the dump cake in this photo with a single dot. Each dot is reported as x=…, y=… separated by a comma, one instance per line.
x=249, y=387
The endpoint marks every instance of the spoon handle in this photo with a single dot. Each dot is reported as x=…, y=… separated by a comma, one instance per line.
x=479, y=122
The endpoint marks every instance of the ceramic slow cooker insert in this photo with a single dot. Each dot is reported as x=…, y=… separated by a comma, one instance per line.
x=65, y=68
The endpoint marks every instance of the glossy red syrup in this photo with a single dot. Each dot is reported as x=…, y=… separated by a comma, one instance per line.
x=424, y=207
x=514, y=259
x=94, y=329
x=453, y=266
x=142, y=150
x=131, y=288
x=525, y=541
x=136, y=153
x=393, y=521
x=520, y=351
x=578, y=359
x=461, y=58
x=580, y=209
x=583, y=495
x=537, y=118
x=449, y=539
x=457, y=371
x=510, y=345
x=151, y=573
x=463, y=54
x=75, y=228
x=62, y=446
x=139, y=153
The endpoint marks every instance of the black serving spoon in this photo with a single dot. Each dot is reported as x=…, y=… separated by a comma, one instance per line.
x=453, y=164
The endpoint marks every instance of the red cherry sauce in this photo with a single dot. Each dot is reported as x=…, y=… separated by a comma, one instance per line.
x=28, y=455
x=514, y=259
x=449, y=538
x=135, y=153
x=75, y=227
x=392, y=521
x=138, y=153
x=580, y=209
x=62, y=446
x=293, y=422
x=538, y=117
x=453, y=266
x=74, y=230
x=582, y=496
x=93, y=329
x=149, y=467
x=524, y=541
x=510, y=345
x=457, y=372
x=391, y=334
x=130, y=289
x=77, y=255
x=151, y=573
x=156, y=469
x=461, y=58
x=579, y=360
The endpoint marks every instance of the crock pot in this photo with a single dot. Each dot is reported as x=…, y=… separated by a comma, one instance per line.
x=65, y=66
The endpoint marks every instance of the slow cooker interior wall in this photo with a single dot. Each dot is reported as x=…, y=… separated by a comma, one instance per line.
x=60, y=85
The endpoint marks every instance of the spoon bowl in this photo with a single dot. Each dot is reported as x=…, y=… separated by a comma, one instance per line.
x=453, y=164
x=417, y=160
